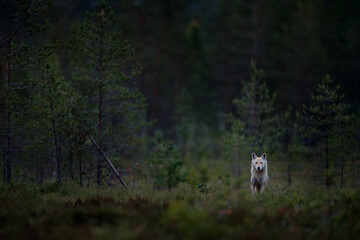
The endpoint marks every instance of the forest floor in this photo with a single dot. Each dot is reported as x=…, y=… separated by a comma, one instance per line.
x=53, y=212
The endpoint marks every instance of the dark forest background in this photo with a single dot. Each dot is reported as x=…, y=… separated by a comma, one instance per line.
x=142, y=119
x=205, y=47
x=195, y=58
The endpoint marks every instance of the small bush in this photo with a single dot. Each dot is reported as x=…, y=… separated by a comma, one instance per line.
x=166, y=164
x=50, y=187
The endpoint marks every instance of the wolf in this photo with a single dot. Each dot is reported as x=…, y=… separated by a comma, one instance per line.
x=259, y=173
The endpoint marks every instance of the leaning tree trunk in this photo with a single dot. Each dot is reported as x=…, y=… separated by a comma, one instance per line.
x=117, y=174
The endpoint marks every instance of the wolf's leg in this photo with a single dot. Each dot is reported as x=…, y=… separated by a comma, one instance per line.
x=261, y=189
x=253, y=186
x=257, y=189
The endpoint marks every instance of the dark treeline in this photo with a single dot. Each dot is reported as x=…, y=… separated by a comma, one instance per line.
x=206, y=47
x=177, y=91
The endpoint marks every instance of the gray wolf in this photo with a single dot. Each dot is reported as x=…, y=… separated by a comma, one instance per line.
x=259, y=173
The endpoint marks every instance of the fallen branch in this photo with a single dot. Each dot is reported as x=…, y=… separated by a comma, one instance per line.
x=106, y=158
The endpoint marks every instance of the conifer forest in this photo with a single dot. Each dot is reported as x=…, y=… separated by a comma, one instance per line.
x=180, y=119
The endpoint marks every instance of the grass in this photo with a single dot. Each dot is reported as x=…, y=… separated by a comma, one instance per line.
x=54, y=212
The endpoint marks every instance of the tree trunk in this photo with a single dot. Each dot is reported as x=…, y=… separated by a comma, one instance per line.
x=289, y=180
x=100, y=102
x=342, y=164
x=288, y=157
x=106, y=159
x=229, y=87
x=252, y=113
x=71, y=160
x=89, y=173
x=79, y=152
x=342, y=172
x=56, y=145
x=8, y=133
x=40, y=170
x=54, y=130
x=99, y=129
x=80, y=171
x=254, y=23
x=41, y=180
x=327, y=180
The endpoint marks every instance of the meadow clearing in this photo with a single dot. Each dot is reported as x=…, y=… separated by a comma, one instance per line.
x=54, y=212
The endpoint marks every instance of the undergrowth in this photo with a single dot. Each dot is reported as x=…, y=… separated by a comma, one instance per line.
x=60, y=212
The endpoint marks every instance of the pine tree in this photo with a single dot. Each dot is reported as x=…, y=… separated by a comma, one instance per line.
x=324, y=124
x=52, y=115
x=345, y=149
x=19, y=24
x=104, y=69
x=75, y=138
x=256, y=110
x=258, y=127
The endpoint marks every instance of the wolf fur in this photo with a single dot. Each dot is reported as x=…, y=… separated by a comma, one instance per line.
x=259, y=173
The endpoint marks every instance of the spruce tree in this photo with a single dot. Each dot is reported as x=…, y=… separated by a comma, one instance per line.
x=258, y=127
x=104, y=70
x=19, y=25
x=256, y=110
x=323, y=123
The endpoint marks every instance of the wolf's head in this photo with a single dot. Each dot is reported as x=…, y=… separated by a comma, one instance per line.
x=258, y=163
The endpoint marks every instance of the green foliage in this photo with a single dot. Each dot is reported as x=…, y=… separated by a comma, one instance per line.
x=20, y=22
x=258, y=127
x=165, y=165
x=193, y=54
x=325, y=124
x=53, y=187
x=53, y=106
x=104, y=71
x=320, y=118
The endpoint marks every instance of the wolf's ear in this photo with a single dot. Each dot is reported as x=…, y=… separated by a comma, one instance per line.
x=264, y=156
x=253, y=155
